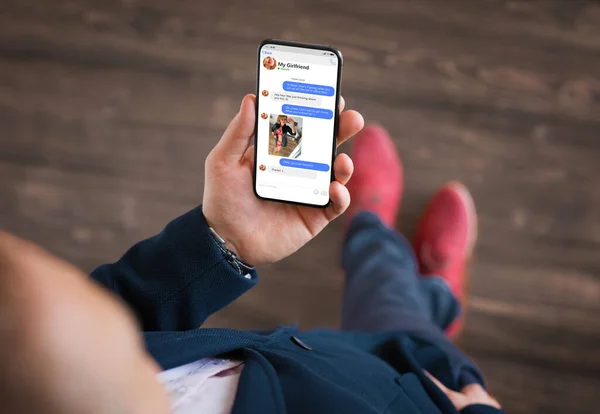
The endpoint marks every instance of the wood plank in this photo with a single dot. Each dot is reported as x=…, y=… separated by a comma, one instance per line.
x=108, y=109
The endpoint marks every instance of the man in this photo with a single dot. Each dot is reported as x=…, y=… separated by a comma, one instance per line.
x=68, y=346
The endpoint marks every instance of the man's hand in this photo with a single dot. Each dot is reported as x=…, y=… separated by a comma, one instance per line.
x=264, y=231
x=470, y=395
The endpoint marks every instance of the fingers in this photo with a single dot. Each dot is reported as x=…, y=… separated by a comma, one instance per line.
x=237, y=137
x=438, y=383
x=343, y=167
x=350, y=123
x=475, y=392
x=456, y=398
x=342, y=104
x=471, y=394
x=340, y=200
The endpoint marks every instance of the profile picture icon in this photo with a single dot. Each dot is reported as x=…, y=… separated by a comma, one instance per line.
x=264, y=115
x=269, y=63
x=262, y=167
x=265, y=93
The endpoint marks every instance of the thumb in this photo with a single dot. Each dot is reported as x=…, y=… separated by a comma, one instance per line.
x=239, y=132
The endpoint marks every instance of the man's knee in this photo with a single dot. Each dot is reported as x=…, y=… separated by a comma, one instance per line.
x=60, y=331
x=18, y=314
x=16, y=288
x=43, y=297
x=22, y=275
x=38, y=295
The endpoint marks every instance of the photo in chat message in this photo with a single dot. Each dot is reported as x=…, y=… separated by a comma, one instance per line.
x=285, y=135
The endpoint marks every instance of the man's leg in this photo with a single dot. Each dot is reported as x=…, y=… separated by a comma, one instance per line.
x=384, y=290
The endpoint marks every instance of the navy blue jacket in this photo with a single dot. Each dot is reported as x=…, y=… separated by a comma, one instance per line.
x=175, y=280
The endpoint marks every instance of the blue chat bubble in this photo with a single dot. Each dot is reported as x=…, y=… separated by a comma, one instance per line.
x=308, y=88
x=306, y=165
x=306, y=111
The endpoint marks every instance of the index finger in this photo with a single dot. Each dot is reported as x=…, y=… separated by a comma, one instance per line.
x=456, y=398
x=438, y=383
x=351, y=122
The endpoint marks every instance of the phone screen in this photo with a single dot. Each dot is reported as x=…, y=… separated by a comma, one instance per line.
x=297, y=114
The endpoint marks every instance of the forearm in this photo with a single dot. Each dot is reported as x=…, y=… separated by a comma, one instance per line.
x=176, y=279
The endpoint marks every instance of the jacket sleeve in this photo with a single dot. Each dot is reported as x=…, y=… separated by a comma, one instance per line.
x=480, y=409
x=176, y=279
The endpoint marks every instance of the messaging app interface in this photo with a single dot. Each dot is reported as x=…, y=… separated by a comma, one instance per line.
x=296, y=104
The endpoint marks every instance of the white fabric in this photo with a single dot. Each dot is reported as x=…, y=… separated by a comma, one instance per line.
x=205, y=386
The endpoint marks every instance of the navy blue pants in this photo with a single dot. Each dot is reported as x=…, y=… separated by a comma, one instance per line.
x=385, y=292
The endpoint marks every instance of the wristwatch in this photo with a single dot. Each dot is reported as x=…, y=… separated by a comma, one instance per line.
x=241, y=267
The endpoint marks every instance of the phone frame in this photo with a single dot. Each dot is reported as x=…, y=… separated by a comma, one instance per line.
x=335, y=118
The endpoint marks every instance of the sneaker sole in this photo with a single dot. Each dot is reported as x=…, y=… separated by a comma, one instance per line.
x=469, y=203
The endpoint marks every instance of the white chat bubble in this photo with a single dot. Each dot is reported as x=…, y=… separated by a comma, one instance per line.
x=292, y=172
x=296, y=98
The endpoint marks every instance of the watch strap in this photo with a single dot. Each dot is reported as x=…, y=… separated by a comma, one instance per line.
x=231, y=258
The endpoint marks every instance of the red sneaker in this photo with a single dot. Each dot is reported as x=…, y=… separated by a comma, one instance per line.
x=444, y=241
x=377, y=182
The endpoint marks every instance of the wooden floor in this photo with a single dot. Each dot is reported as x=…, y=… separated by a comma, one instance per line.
x=108, y=109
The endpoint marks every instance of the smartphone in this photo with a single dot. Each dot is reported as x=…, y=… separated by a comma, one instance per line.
x=297, y=109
